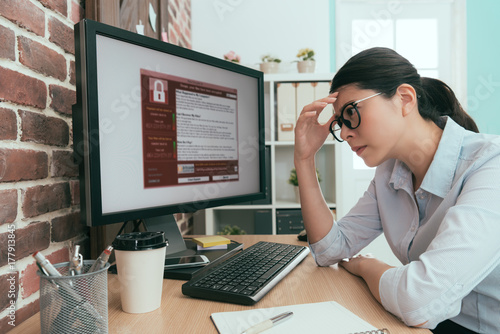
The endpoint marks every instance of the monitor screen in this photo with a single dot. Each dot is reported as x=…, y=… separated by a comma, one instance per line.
x=161, y=129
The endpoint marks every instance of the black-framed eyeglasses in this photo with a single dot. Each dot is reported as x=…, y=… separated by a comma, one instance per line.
x=349, y=116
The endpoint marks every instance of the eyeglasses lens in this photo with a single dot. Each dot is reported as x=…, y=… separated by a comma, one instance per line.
x=350, y=116
x=335, y=128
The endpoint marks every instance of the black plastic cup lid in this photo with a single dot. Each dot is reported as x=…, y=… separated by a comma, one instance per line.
x=137, y=241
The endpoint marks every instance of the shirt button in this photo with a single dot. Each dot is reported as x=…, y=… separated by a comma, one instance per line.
x=412, y=229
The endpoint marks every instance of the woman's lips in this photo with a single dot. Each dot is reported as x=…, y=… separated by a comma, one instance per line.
x=358, y=149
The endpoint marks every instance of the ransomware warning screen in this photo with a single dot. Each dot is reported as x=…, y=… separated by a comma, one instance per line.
x=189, y=131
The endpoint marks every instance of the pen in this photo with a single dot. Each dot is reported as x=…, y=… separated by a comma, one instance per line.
x=42, y=269
x=46, y=264
x=268, y=323
x=100, y=262
x=76, y=262
x=71, y=299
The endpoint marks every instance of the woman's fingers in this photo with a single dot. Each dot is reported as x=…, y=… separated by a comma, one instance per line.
x=320, y=104
x=309, y=133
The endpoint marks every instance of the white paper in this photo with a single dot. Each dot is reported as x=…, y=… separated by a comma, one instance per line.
x=324, y=317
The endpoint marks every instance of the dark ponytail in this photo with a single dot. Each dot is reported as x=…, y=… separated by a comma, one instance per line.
x=384, y=70
x=439, y=100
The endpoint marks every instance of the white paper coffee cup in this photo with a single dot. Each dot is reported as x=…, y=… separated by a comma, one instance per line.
x=140, y=258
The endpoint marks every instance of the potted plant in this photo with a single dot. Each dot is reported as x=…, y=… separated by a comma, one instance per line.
x=231, y=230
x=306, y=62
x=269, y=64
x=232, y=56
x=295, y=182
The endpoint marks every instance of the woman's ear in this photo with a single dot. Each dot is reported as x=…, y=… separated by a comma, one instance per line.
x=408, y=97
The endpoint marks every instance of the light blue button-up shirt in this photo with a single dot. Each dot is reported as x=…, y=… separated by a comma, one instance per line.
x=446, y=234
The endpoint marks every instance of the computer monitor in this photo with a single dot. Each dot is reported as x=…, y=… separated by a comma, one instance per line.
x=160, y=129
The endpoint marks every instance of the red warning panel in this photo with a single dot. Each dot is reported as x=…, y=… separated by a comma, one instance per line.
x=189, y=131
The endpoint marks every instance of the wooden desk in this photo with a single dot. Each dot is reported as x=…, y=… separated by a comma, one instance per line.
x=307, y=283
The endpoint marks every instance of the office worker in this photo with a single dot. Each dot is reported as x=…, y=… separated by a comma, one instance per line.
x=435, y=194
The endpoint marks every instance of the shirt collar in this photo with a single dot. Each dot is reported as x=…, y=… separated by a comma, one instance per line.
x=401, y=176
x=439, y=177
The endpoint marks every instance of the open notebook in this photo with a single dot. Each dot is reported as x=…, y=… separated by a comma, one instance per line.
x=324, y=317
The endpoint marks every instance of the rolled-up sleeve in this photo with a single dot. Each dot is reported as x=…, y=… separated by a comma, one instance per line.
x=320, y=250
x=351, y=233
x=412, y=306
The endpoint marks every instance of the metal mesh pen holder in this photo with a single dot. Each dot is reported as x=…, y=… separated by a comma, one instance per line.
x=74, y=304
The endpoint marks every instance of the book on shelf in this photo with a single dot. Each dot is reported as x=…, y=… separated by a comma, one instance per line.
x=286, y=112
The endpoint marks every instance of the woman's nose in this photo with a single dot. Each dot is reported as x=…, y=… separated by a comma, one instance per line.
x=345, y=133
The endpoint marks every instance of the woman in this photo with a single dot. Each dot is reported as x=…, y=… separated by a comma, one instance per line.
x=435, y=194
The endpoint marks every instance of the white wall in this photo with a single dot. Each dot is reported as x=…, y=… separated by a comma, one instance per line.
x=258, y=27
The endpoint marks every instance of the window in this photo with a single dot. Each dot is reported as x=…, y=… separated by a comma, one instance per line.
x=430, y=34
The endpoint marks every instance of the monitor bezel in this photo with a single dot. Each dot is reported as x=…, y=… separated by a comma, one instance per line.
x=86, y=124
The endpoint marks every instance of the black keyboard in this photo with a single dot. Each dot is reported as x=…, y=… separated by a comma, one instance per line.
x=247, y=276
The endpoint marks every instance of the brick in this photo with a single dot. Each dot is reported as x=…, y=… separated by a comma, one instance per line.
x=72, y=72
x=60, y=6
x=21, y=315
x=173, y=9
x=9, y=288
x=25, y=14
x=172, y=34
x=62, y=99
x=8, y=124
x=22, y=89
x=20, y=165
x=77, y=12
x=30, y=281
x=63, y=164
x=41, y=129
x=67, y=227
x=41, y=59
x=186, y=31
x=177, y=28
x=8, y=206
x=32, y=238
x=8, y=43
x=61, y=35
x=29, y=239
x=74, y=186
x=58, y=256
x=184, y=43
x=38, y=200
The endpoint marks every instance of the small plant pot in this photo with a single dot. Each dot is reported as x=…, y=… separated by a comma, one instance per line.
x=306, y=66
x=270, y=67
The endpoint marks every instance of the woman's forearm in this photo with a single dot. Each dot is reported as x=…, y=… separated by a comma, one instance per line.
x=370, y=269
x=318, y=218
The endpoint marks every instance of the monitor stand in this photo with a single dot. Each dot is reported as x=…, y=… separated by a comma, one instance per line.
x=176, y=245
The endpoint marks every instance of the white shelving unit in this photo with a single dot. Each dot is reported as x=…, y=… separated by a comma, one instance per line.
x=281, y=152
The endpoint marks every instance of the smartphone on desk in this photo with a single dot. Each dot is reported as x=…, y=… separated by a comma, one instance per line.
x=185, y=261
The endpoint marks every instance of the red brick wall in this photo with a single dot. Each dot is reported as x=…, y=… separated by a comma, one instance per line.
x=39, y=196
x=39, y=189
x=179, y=22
